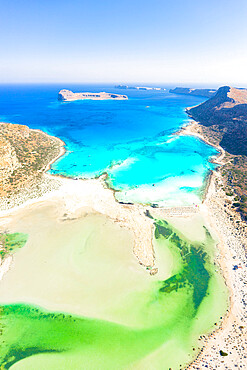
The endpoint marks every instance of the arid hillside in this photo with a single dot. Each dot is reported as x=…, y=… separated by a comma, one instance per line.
x=226, y=114
x=24, y=155
x=223, y=121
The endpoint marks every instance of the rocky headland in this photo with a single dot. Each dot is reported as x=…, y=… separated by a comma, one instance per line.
x=25, y=155
x=208, y=93
x=226, y=114
x=67, y=95
x=225, y=208
x=222, y=120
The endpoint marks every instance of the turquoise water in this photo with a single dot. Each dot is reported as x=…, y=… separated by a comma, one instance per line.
x=130, y=140
x=161, y=320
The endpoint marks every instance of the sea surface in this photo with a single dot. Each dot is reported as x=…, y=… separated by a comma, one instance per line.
x=75, y=296
x=132, y=141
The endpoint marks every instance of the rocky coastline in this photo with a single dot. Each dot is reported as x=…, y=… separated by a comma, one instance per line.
x=25, y=156
x=226, y=346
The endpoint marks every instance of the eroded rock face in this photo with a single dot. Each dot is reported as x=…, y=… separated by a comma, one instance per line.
x=67, y=95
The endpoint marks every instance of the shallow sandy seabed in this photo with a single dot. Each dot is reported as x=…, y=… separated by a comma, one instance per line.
x=74, y=198
x=75, y=247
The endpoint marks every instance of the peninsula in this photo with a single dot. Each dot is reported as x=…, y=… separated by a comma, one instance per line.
x=67, y=95
x=208, y=93
x=25, y=155
x=223, y=122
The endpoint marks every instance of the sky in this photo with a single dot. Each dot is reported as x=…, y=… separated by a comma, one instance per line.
x=97, y=41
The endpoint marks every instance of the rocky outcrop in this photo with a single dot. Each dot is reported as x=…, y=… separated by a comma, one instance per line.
x=67, y=95
x=226, y=113
x=207, y=93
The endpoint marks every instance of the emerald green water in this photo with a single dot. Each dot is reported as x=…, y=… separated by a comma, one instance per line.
x=173, y=313
x=11, y=242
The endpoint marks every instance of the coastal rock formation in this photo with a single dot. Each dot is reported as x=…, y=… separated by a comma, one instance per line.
x=67, y=95
x=226, y=112
x=208, y=93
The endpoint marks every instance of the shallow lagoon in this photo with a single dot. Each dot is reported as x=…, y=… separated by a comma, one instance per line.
x=75, y=296
x=131, y=140
x=98, y=307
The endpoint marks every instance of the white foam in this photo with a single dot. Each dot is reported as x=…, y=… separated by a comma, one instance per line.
x=169, y=192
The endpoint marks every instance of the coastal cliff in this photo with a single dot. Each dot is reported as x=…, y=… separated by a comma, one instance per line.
x=67, y=95
x=226, y=113
x=208, y=93
x=222, y=121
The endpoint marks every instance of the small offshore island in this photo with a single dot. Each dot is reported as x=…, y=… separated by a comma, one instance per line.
x=141, y=88
x=67, y=95
x=65, y=233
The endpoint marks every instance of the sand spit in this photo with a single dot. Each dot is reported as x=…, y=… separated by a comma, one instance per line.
x=75, y=194
x=226, y=347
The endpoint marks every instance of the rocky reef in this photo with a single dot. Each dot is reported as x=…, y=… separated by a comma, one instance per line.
x=67, y=95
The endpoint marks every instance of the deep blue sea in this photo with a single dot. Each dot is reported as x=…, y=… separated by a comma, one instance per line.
x=131, y=140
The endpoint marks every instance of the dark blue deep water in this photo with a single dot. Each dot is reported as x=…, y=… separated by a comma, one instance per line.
x=132, y=140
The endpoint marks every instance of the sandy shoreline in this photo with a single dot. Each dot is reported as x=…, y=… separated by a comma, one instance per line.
x=74, y=194
x=231, y=336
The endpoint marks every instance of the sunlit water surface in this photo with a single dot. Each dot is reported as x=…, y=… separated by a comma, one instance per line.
x=132, y=140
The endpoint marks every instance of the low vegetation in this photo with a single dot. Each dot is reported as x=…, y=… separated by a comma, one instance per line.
x=24, y=155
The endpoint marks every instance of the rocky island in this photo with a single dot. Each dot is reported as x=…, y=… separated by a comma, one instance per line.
x=208, y=93
x=67, y=95
x=126, y=87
